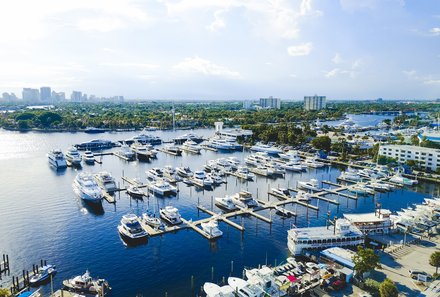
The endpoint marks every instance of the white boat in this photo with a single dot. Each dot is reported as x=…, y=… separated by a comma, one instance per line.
x=264, y=278
x=303, y=196
x=244, y=199
x=56, y=159
x=225, y=203
x=135, y=192
x=311, y=185
x=151, y=220
x=126, y=152
x=275, y=167
x=360, y=190
x=154, y=173
x=313, y=163
x=73, y=156
x=86, y=284
x=131, y=229
x=106, y=181
x=142, y=152
x=172, y=149
x=260, y=147
x=191, y=146
x=86, y=188
x=244, y=173
x=379, y=186
x=284, y=212
x=399, y=179
x=291, y=156
x=351, y=176
x=213, y=290
x=211, y=228
x=294, y=166
x=43, y=275
x=221, y=144
x=184, y=171
x=200, y=176
x=145, y=138
x=188, y=137
x=281, y=191
x=171, y=215
x=89, y=157
x=216, y=178
x=171, y=174
x=162, y=188
x=244, y=289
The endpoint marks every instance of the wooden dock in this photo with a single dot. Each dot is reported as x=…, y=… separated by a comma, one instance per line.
x=109, y=198
x=287, y=199
x=319, y=195
x=190, y=150
x=163, y=150
x=208, y=148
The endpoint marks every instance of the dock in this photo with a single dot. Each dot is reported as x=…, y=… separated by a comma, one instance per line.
x=123, y=157
x=190, y=150
x=319, y=195
x=109, y=198
x=208, y=148
x=163, y=150
x=4, y=265
x=287, y=199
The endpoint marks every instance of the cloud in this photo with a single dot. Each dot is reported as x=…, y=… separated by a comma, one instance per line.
x=337, y=59
x=132, y=65
x=199, y=65
x=218, y=23
x=300, y=50
x=435, y=31
x=424, y=79
x=432, y=82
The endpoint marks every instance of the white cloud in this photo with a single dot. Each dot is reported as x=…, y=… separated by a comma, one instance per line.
x=424, y=79
x=199, y=65
x=300, y=50
x=432, y=82
x=435, y=31
x=219, y=22
x=337, y=59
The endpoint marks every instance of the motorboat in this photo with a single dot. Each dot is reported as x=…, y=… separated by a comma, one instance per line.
x=131, y=229
x=214, y=290
x=96, y=144
x=399, y=179
x=291, y=156
x=43, y=275
x=184, y=171
x=73, y=156
x=154, y=173
x=216, y=178
x=284, y=212
x=191, y=146
x=244, y=173
x=94, y=130
x=271, y=150
x=311, y=185
x=351, y=176
x=106, y=181
x=293, y=166
x=221, y=144
x=252, y=160
x=142, y=152
x=89, y=157
x=264, y=278
x=211, y=228
x=313, y=163
x=225, y=203
x=188, y=137
x=360, y=190
x=86, y=284
x=244, y=199
x=86, y=188
x=171, y=215
x=56, y=159
x=244, y=289
x=200, y=176
x=379, y=186
x=145, y=138
x=263, y=170
x=172, y=149
x=135, y=192
x=171, y=174
x=126, y=153
x=151, y=220
x=36, y=293
x=281, y=192
x=303, y=196
x=162, y=188
x=276, y=169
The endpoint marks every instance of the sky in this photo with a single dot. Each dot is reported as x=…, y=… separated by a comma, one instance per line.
x=223, y=49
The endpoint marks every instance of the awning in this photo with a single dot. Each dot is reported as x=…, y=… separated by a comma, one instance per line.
x=292, y=278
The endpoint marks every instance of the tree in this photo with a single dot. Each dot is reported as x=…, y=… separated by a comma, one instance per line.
x=365, y=260
x=434, y=260
x=4, y=292
x=322, y=143
x=388, y=289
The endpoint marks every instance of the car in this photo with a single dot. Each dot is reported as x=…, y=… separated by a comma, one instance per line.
x=414, y=274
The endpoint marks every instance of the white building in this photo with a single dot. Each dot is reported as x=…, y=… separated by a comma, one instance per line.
x=76, y=96
x=270, y=102
x=247, y=104
x=31, y=94
x=378, y=222
x=425, y=157
x=45, y=94
x=314, y=102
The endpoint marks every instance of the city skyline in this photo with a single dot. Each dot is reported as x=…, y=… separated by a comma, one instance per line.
x=223, y=49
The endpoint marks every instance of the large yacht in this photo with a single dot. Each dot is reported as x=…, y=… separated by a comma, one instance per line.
x=95, y=144
x=191, y=146
x=294, y=166
x=244, y=199
x=154, y=173
x=260, y=147
x=188, y=137
x=86, y=284
x=141, y=151
x=145, y=138
x=106, y=181
x=86, y=188
x=162, y=188
x=56, y=159
x=89, y=157
x=172, y=149
x=290, y=156
x=211, y=228
x=130, y=228
x=126, y=152
x=73, y=156
x=171, y=215
x=221, y=144
x=225, y=203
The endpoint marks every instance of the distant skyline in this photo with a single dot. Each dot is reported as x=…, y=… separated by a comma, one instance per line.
x=223, y=49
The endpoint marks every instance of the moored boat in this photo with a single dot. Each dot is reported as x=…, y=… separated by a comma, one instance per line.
x=171, y=215
x=57, y=159
x=86, y=284
x=89, y=157
x=44, y=274
x=131, y=230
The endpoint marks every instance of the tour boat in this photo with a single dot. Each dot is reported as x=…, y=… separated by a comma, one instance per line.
x=135, y=192
x=73, y=156
x=171, y=215
x=211, y=228
x=86, y=284
x=312, y=185
x=86, y=188
x=225, y=203
x=89, y=157
x=43, y=275
x=106, y=181
x=56, y=159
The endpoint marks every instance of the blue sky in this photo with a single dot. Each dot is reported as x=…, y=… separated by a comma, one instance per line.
x=223, y=49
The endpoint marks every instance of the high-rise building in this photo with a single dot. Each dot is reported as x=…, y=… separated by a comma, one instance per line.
x=314, y=102
x=76, y=96
x=58, y=96
x=31, y=94
x=270, y=102
x=247, y=104
x=45, y=94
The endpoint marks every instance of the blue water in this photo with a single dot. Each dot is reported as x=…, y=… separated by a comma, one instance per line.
x=362, y=120
x=42, y=219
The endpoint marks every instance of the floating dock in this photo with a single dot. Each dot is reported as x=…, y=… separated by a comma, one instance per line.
x=208, y=148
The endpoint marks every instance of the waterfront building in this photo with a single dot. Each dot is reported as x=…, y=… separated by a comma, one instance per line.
x=314, y=102
x=378, y=222
x=45, y=94
x=30, y=94
x=428, y=158
x=341, y=234
x=270, y=102
x=339, y=255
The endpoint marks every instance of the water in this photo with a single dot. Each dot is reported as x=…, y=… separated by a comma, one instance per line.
x=363, y=120
x=42, y=219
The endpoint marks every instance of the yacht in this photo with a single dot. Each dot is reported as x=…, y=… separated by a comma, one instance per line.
x=349, y=175
x=221, y=144
x=214, y=290
x=216, y=178
x=171, y=215
x=89, y=157
x=191, y=146
x=311, y=185
x=184, y=171
x=252, y=160
x=86, y=284
x=151, y=220
x=313, y=163
x=95, y=144
x=282, y=211
x=106, y=181
x=135, y=192
x=86, y=188
x=211, y=228
x=302, y=196
x=244, y=289
x=244, y=199
x=379, y=186
x=294, y=166
x=271, y=150
x=244, y=173
x=188, y=137
x=399, y=179
x=200, y=175
x=162, y=188
x=73, y=156
x=131, y=229
x=171, y=149
x=171, y=174
x=56, y=159
x=263, y=170
x=145, y=138
x=43, y=275
x=126, y=153
x=281, y=192
x=276, y=169
x=94, y=130
x=141, y=151
x=154, y=173
x=264, y=278
x=360, y=190
x=225, y=203
x=291, y=156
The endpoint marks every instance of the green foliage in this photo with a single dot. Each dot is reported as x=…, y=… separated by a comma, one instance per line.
x=365, y=260
x=322, y=143
x=434, y=260
x=372, y=286
x=388, y=289
x=383, y=160
x=23, y=124
x=4, y=292
x=47, y=118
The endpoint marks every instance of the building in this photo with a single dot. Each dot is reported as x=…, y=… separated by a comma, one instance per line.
x=378, y=222
x=425, y=157
x=30, y=94
x=270, y=102
x=314, y=102
x=45, y=94
x=58, y=96
x=9, y=97
x=76, y=96
x=247, y=104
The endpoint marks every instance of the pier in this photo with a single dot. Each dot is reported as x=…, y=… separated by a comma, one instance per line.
x=190, y=150
x=208, y=148
x=166, y=151
x=4, y=266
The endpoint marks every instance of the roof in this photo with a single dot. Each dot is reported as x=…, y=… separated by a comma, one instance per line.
x=323, y=232
x=410, y=147
x=370, y=217
x=340, y=255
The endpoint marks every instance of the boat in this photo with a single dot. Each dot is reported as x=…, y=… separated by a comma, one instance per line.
x=276, y=169
x=211, y=228
x=130, y=228
x=36, y=293
x=73, y=156
x=291, y=156
x=94, y=130
x=142, y=152
x=95, y=144
x=173, y=150
x=188, y=137
x=399, y=179
x=313, y=163
x=201, y=177
x=89, y=157
x=106, y=181
x=284, y=212
x=350, y=176
x=126, y=153
x=145, y=138
x=184, y=171
x=191, y=146
x=264, y=278
x=379, y=186
x=56, y=159
x=360, y=190
x=171, y=215
x=86, y=284
x=271, y=150
x=135, y=192
x=294, y=166
x=221, y=144
x=311, y=185
x=244, y=199
x=154, y=173
x=216, y=178
x=171, y=174
x=225, y=203
x=150, y=219
x=86, y=188
x=214, y=290
x=244, y=173
x=162, y=188
x=244, y=289
x=262, y=170
x=44, y=274
x=281, y=191
x=303, y=196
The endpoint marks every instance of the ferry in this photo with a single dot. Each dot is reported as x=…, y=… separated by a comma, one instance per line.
x=56, y=159
x=342, y=234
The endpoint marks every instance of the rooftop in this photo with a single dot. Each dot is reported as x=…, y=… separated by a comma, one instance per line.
x=410, y=147
x=340, y=255
x=323, y=232
x=370, y=217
